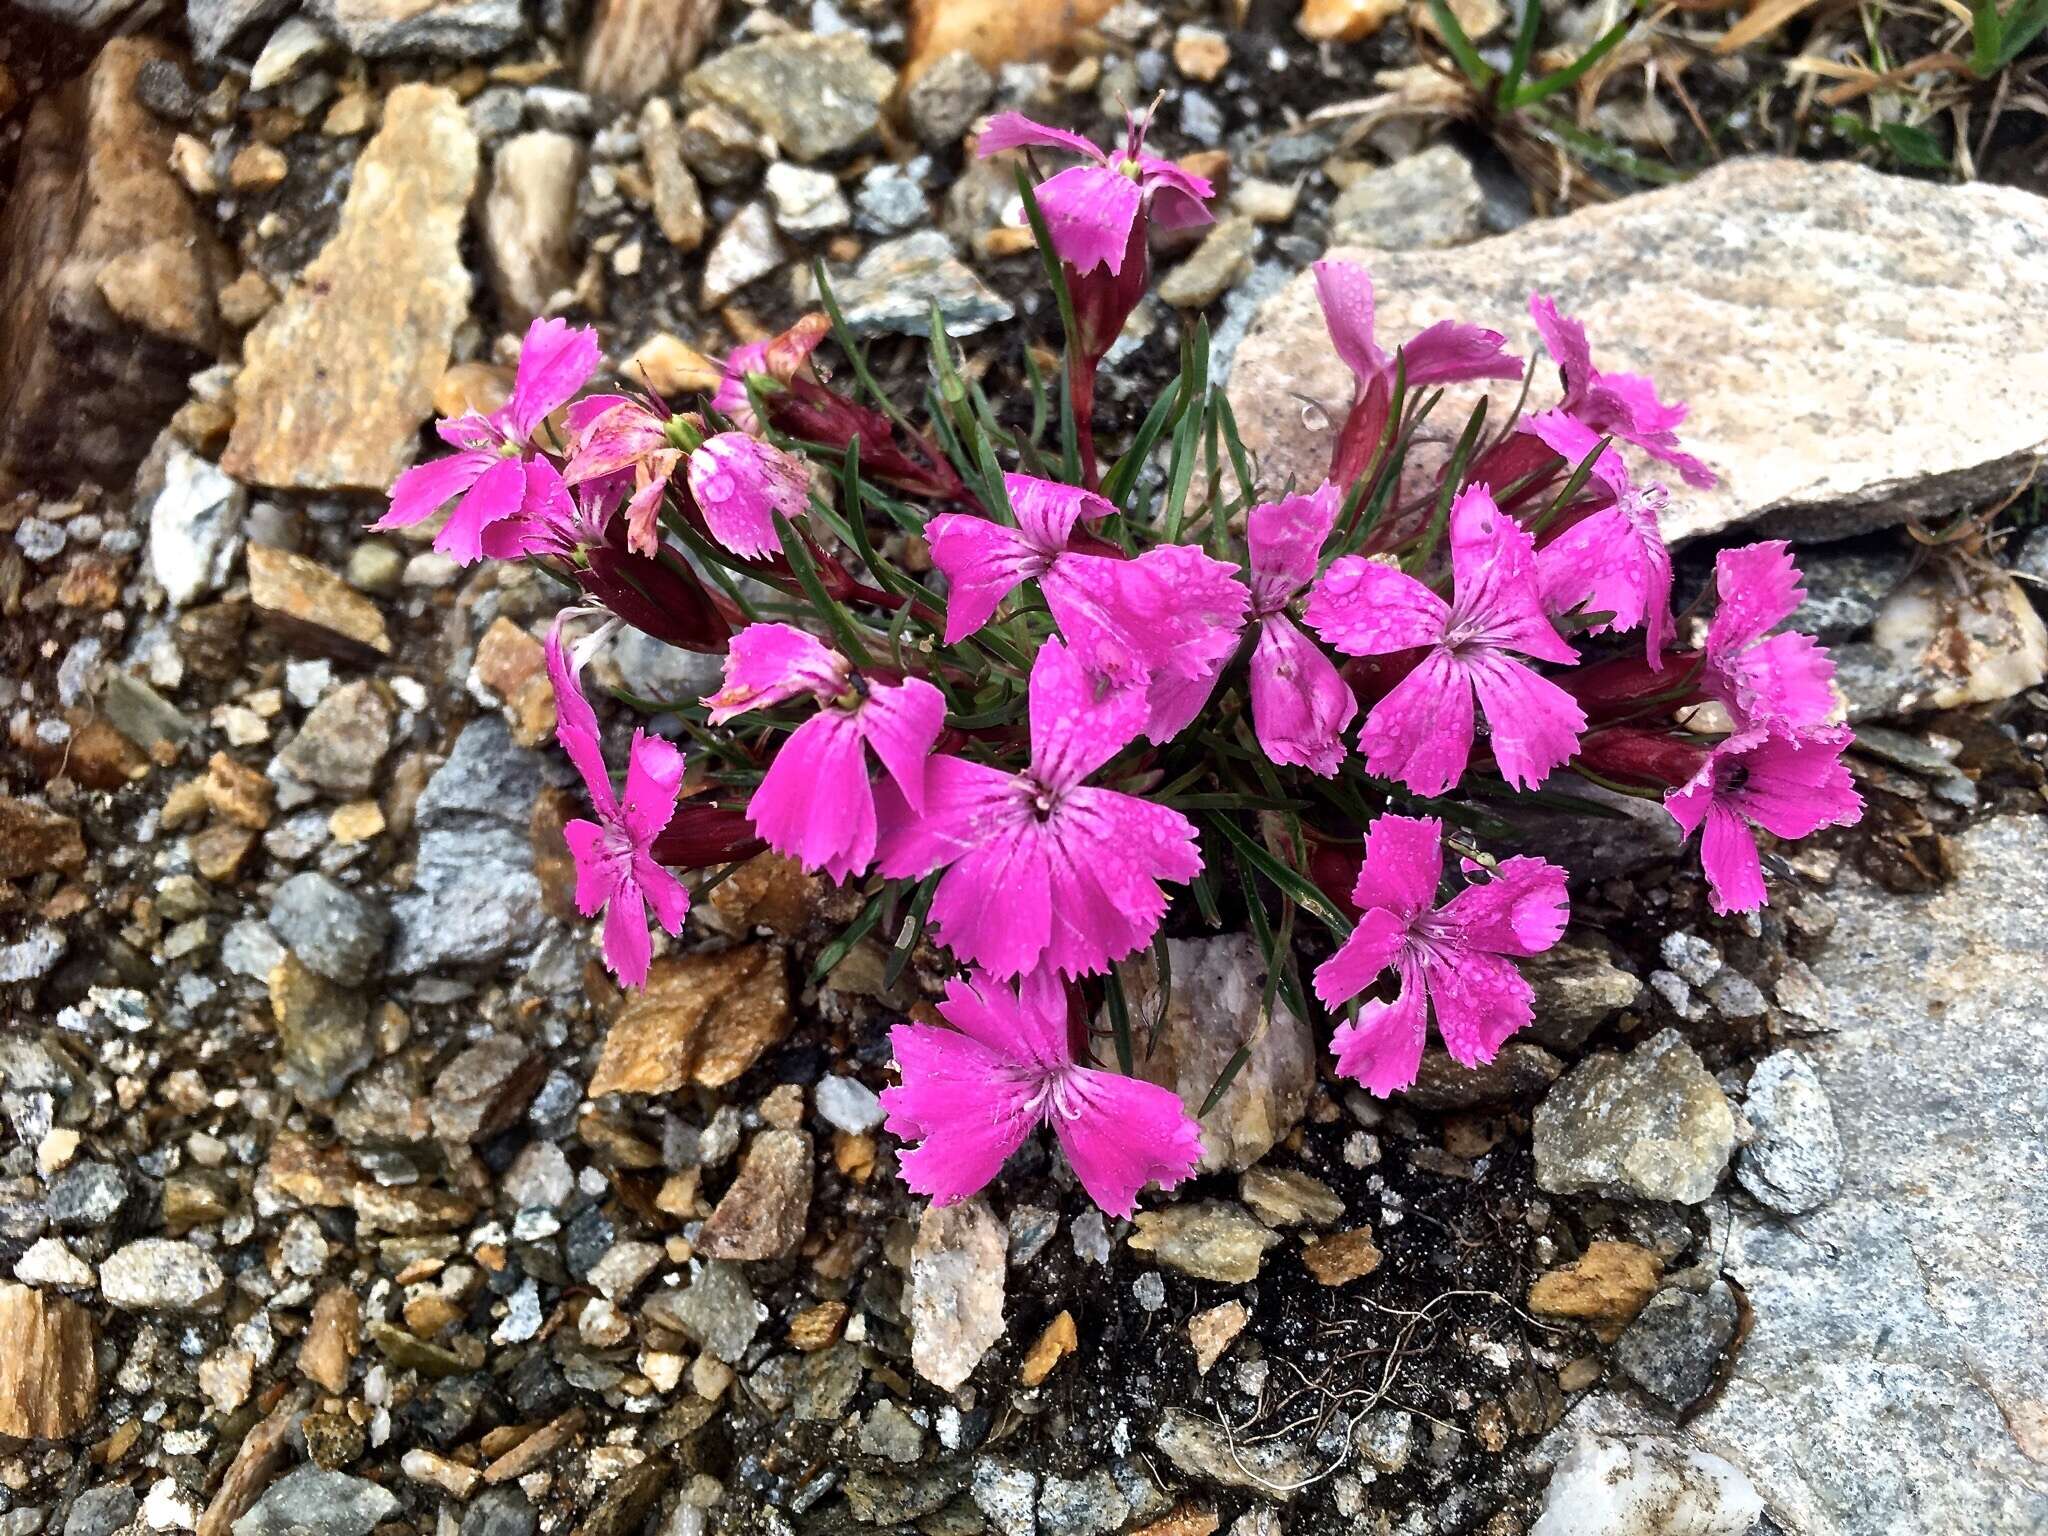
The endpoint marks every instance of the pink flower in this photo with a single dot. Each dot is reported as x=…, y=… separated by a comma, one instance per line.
x=972, y=1093
x=1449, y=956
x=1091, y=210
x=1791, y=787
x=1623, y=405
x=491, y=471
x=779, y=357
x=1615, y=560
x=555, y=520
x=1780, y=685
x=739, y=483
x=1168, y=618
x=1300, y=704
x=817, y=802
x=615, y=867
x=1042, y=870
x=1421, y=732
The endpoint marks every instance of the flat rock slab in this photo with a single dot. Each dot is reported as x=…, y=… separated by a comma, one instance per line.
x=1857, y=349
x=339, y=377
x=1895, y=1382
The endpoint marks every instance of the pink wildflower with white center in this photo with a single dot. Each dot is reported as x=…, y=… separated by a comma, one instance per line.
x=1450, y=957
x=740, y=483
x=1623, y=405
x=492, y=470
x=1092, y=210
x=1300, y=703
x=1789, y=786
x=1169, y=618
x=1040, y=868
x=817, y=802
x=1421, y=732
x=1614, y=560
x=1778, y=685
x=615, y=868
x=970, y=1095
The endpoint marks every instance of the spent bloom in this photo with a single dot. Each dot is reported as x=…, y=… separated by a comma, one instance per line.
x=1623, y=405
x=616, y=872
x=1300, y=704
x=494, y=476
x=1421, y=732
x=970, y=1095
x=1452, y=958
x=1790, y=787
x=1095, y=212
x=1043, y=870
x=817, y=802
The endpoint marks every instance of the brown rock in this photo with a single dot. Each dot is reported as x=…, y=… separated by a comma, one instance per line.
x=513, y=665
x=762, y=1216
x=1855, y=349
x=1184, y=1519
x=466, y=387
x=670, y=366
x=678, y=205
x=1059, y=1340
x=535, y=1449
x=339, y=377
x=1517, y=1075
x=1342, y=1257
x=1344, y=21
x=313, y=606
x=238, y=793
x=247, y=299
x=219, y=851
x=322, y=1176
x=997, y=32
x=815, y=1327
x=771, y=891
x=34, y=838
x=702, y=1019
x=49, y=1385
x=256, y=1462
x=1213, y=1331
x=256, y=167
x=1210, y=1239
x=1604, y=1287
x=408, y=1209
x=529, y=219
x=637, y=47
x=91, y=369
x=330, y=1342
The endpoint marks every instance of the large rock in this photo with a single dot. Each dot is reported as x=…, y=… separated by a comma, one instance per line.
x=1895, y=1378
x=817, y=96
x=637, y=47
x=1653, y=1124
x=339, y=377
x=456, y=29
x=107, y=279
x=529, y=216
x=955, y=1300
x=1212, y=1009
x=1856, y=349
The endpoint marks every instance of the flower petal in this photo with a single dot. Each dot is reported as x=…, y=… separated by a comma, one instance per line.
x=576, y=725
x=1344, y=289
x=1480, y=1001
x=901, y=722
x=1421, y=732
x=739, y=482
x=1404, y=862
x=596, y=878
x=628, y=946
x=1362, y=958
x=654, y=778
x=555, y=361
x=960, y=1101
x=499, y=493
x=1284, y=541
x=1522, y=910
x=423, y=490
x=1013, y=130
x=983, y=562
x=1493, y=571
x=1534, y=724
x=1734, y=868
x=1089, y=211
x=1450, y=351
x=1365, y=608
x=1079, y=721
x=816, y=803
x=1120, y=1134
x=767, y=664
x=1300, y=703
x=1382, y=1048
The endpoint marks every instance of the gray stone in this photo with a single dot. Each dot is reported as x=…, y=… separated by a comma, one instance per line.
x=665, y=673
x=335, y=931
x=503, y=1511
x=1211, y=1010
x=1646, y=1487
x=1844, y=589
x=807, y=202
x=1384, y=1439
x=1007, y=1494
x=2032, y=562
x=1673, y=1349
x=892, y=289
x=484, y=1088
x=1794, y=1163
x=1855, y=349
x=1199, y=1447
x=35, y=954
x=485, y=776
x=891, y=1434
x=447, y=29
x=295, y=42
x=85, y=1197
x=817, y=97
x=317, y=1502
x=250, y=949
x=101, y=1511
x=1518, y=1074
x=745, y=251
x=1895, y=1377
x=158, y=1274
x=827, y=1384
x=214, y=24
x=955, y=1299
x=1653, y=1124
x=1579, y=986
x=1088, y=1505
x=890, y=200
x=1426, y=202
x=947, y=97
x=1210, y=1239
x=142, y=714
x=678, y=201
x=848, y=1104
x=195, y=528
x=717, y=1309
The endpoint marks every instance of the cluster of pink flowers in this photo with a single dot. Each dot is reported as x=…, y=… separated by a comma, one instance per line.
x=1024, y=761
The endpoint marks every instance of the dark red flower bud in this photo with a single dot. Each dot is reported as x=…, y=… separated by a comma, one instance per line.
x=1648, y=759
x=698, y=836
x=1608, y=690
